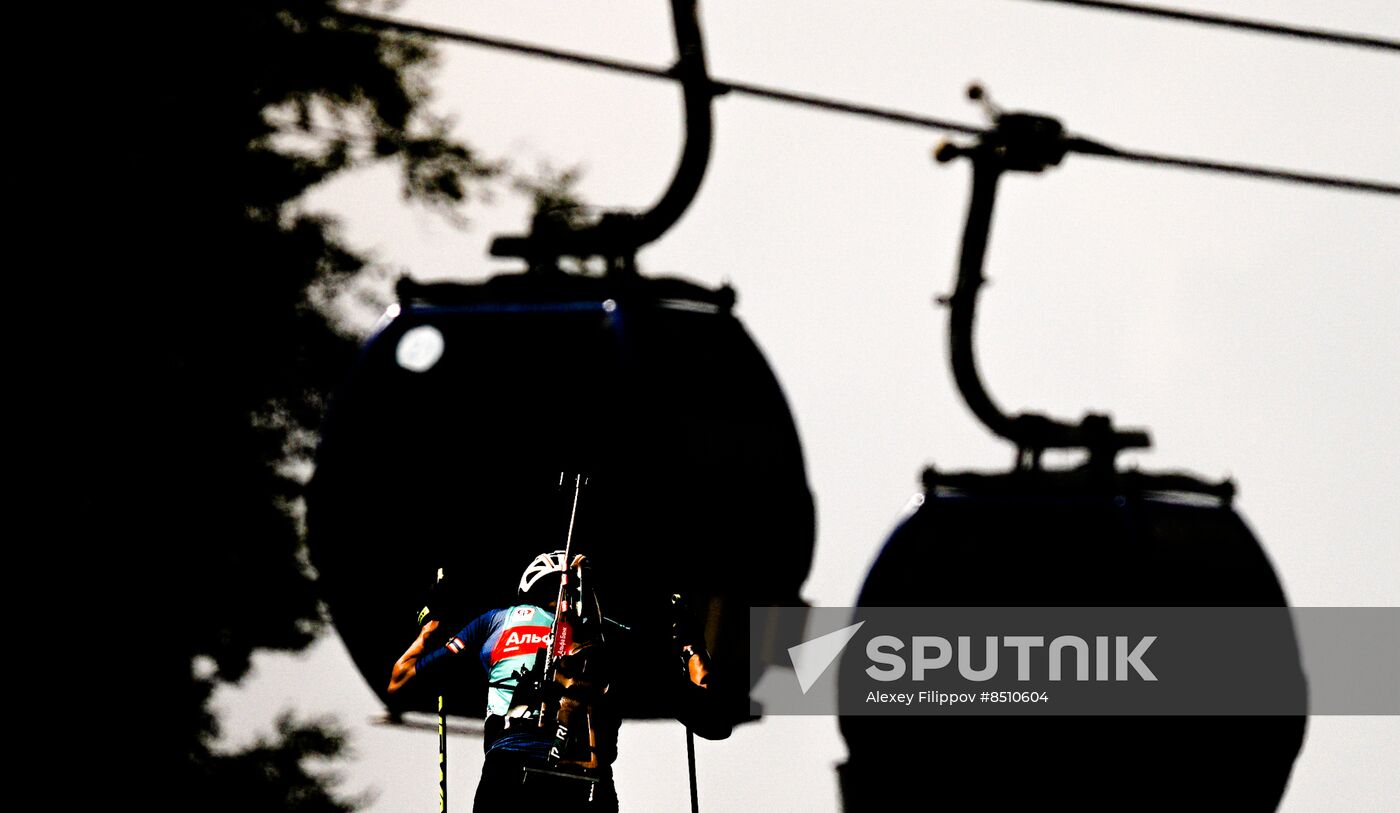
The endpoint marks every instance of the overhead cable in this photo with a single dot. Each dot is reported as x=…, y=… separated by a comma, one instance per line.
x=1084, y=147
x=721, y=87
x=1240, y=23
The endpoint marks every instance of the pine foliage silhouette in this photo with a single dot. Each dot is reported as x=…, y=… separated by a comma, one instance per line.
x=203, y=359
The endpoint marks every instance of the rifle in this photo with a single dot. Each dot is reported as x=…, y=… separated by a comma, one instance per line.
x=561, y=645
x=560, y=670
x=561, y=631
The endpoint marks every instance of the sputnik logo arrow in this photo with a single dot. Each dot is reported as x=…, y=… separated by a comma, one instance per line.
x=811, y=659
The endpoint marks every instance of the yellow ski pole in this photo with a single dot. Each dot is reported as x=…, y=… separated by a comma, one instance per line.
x=442, y=758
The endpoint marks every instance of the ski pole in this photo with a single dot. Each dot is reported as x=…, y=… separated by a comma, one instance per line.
x=434, y=610
x=690, y=757
x=679, y=616
x=442, y=758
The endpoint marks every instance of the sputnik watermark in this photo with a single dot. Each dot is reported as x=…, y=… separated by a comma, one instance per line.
x=811, y=659
x=889, y=665
x=937, y=698
x=1233, y=661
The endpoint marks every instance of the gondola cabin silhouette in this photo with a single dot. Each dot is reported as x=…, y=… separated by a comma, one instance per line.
x=444, y=448
x=1091, y=536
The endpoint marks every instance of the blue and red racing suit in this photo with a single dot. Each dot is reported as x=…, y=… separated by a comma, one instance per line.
x=506, y=641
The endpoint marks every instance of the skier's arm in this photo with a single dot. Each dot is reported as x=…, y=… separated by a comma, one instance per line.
x=407, y=665
x=414, y=660
x=699, y=703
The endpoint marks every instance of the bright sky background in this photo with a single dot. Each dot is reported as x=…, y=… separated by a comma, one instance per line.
x=1253, y=326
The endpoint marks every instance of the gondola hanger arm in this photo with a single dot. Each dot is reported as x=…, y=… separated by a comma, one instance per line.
x=617, y=236
x=1018, y=142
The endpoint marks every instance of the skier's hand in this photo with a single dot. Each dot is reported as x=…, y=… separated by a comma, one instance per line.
x=438, y=600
